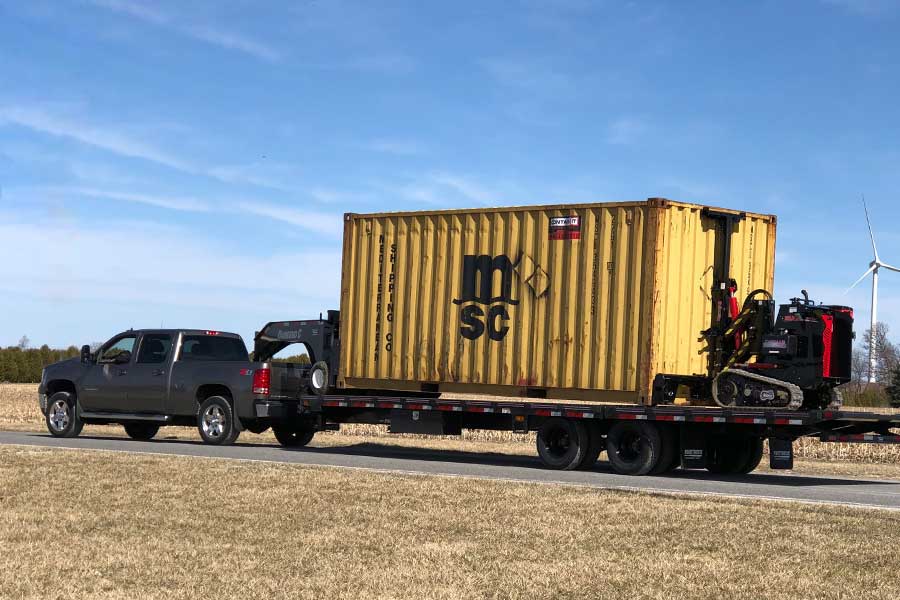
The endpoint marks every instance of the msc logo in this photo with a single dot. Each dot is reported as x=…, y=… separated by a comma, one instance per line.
x=478, y=288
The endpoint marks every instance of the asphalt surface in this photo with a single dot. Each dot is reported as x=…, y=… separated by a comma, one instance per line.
x=393, y=459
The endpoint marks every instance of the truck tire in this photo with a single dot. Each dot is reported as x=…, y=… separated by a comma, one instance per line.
x=669, y=458
x=318, y=378
x=215, y=421
x=728, y=456
x=596, y=444
x=141, y=431
x=634, y=447
x=562, y=443
x=62, y=416
x=293, y=437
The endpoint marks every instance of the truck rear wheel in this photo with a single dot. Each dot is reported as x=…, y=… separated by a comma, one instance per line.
x=215, y=421
x=293, y=437
x=634, y=447
x=141, y=431
x=562, y=443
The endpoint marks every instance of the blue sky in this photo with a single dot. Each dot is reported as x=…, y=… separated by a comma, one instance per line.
x=187, y=164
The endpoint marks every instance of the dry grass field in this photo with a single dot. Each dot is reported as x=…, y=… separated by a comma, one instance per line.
x=19, y=411
x=77, y=524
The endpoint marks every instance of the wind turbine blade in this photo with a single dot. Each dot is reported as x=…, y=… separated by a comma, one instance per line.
x=864, y=275
x=869, y=224
x=889, y=267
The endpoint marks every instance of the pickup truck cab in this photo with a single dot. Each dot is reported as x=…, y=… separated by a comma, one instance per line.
x=145, y=379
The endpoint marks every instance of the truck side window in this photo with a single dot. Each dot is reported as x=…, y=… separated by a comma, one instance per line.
x=206, y=347
x=154, y=348
x=123, y=344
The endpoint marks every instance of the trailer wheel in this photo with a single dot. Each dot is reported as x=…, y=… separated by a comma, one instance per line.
x=562, y=443
x=669, y=459
x=728, y=456
x=634, y=447
x=318, y=378
x=756, y=454
x=596, y=443
x=292, y=437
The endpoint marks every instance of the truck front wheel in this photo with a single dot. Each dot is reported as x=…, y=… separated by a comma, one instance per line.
x=563, y=443
x=292, y=437
x=634, y=447
x=62, y=417
x=215, y=421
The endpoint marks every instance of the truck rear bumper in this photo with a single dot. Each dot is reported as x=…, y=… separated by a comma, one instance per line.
x=276, y=409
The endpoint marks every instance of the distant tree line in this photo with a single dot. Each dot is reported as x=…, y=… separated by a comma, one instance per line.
x=21, y=364
x=884, y=389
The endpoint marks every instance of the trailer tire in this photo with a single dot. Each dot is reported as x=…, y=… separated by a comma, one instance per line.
x=728, y=456
x=293, y=437
x=562, y=443
x=668, y=458
x=596, y=443
x=318, y=378
x=756, y=454
x=634, y=447
x=142, y=432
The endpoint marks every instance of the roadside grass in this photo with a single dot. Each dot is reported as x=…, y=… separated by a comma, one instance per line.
x=19, y=412
x=82, y=524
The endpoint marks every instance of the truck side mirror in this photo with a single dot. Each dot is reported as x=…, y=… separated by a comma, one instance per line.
x=85, y=354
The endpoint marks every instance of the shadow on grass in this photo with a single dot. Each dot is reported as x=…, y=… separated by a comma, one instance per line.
x=376, y=450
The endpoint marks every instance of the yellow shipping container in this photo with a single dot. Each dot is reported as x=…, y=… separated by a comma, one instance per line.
x=580, y=301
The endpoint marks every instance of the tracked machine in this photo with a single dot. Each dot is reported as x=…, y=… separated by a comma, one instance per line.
x=794, y=361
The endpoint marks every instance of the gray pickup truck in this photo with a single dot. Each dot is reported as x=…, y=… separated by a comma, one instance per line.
x=144, y=379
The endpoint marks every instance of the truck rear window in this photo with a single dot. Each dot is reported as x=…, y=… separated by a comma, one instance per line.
x=207, y=347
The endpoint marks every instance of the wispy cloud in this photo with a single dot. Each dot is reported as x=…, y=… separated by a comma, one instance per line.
x=533, y=75
x=626, y=130
x=330, y=225
x=92, y=135
x=110, y=139
x=869, y=8
x=203, y=32
x=179, y=203
x=400, y=147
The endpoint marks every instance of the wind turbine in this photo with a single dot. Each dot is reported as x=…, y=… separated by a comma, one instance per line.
x=873, y=269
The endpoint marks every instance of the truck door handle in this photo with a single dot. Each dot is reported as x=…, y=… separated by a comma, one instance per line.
x=159, y=372
x=123, y=372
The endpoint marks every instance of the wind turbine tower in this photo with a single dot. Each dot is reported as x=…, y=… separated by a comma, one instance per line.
x=874, y=266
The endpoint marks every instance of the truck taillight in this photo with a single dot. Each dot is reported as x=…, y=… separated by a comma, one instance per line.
x=261, y=379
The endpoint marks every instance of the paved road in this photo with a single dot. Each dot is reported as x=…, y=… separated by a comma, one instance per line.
x=378, y=457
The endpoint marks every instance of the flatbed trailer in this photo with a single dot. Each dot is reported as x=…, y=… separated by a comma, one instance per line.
x=639, y=439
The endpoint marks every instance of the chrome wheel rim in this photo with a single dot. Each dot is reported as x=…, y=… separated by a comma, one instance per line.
x=59, y=415
x=214, y=421
x=318, y=379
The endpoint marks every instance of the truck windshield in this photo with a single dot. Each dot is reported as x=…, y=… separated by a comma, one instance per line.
x=207, y=347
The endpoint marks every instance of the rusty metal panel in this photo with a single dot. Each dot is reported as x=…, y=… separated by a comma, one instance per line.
x=584, y=301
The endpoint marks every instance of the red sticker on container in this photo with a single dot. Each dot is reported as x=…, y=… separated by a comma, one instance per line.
x=565, y=228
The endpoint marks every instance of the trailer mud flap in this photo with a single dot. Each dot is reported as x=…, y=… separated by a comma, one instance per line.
x=693, y=448
x=781, y=453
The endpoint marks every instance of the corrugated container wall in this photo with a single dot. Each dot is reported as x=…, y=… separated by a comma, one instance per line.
x=586, y=301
